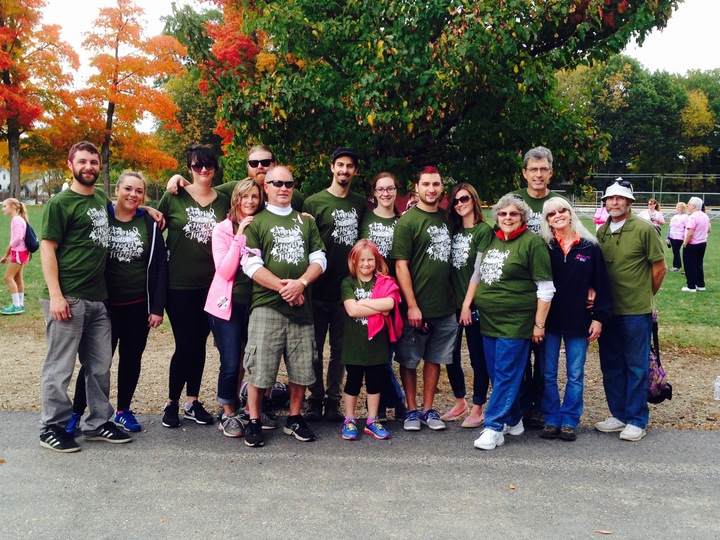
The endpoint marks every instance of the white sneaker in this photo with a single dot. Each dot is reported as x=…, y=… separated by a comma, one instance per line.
x=610, y=425
x=632, y=433
x=517, y=429
x=685, y=289
x=701, y=288
x=489, y=439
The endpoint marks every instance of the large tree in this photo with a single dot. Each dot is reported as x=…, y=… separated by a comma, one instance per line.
x=33, y=74
x=124, y=88
x=465, y=85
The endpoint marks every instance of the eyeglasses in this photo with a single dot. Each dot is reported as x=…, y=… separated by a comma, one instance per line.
x=461, y=200
x=279, y=183
x=512, y=214
x=535, y=170
x=561, y=210
x=200, y=165
x=388, y=190
x=264, y=162
x=621, y=182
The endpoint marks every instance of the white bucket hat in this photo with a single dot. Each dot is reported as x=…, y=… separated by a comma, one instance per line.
x=620, y=187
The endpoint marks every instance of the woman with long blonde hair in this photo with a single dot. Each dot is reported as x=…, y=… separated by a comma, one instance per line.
x=16, y=256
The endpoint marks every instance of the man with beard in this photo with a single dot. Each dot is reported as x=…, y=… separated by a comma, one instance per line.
x=337, y=212
x=635, y=260
x=73, y=252
x=421, y=250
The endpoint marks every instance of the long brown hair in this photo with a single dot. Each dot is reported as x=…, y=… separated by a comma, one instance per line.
x=455, y=219
x=242, y=187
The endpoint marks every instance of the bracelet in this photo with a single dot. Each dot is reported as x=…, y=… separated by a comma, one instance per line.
x=304, y=282
x=541, y=326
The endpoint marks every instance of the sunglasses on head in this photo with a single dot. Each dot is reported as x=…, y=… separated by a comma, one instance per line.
x=279, y=183
x=255, y=162
x=200, y=165
x=560, y=210
x=623, y=183
x=461, y=200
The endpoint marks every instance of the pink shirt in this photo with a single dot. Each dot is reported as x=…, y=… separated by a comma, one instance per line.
x=677, y=227
x=656, y=218
x=699, y=222
x=17, y=234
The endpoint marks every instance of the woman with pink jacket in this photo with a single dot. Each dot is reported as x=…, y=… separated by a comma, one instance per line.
x=229, y=299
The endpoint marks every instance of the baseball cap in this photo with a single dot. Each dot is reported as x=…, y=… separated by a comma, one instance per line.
x=349, y=152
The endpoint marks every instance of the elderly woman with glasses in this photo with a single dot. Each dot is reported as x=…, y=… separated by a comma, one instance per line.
x=514, y=289
x=577, y=266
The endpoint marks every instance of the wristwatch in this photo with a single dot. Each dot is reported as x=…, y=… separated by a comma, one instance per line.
x=541, y=326
x=304, y=282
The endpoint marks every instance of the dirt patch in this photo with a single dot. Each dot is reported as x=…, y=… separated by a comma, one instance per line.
x=692, y=376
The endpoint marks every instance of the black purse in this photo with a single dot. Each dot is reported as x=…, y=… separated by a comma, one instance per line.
x=659, y=389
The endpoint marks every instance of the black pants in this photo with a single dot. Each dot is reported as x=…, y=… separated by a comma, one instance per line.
x=693, y=255
x=677, y=255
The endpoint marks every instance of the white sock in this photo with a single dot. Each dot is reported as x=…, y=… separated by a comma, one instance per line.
x=16, y=299
x=22, y=298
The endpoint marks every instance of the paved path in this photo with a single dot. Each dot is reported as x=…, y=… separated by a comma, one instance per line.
x=193, y=483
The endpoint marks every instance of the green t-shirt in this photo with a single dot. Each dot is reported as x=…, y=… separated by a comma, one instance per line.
x=466, y=244
x=423, y=239
x=127, y=260
x=285, y=243
x=227, y=188
x=189, y=231
x=357, y=349
x=380, y=231
x=338, y=220
x=629, y=254
x=79, y=224
x=536, y=206
x=507, y=293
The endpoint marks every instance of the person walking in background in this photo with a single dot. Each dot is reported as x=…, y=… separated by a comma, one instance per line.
x=369, y=296
x=16, y=256
x=471, y=235
x=676, y=235
x=697, y=228
x=577, y=266
x=635, y=261
x=653, y=214
x=136, y=274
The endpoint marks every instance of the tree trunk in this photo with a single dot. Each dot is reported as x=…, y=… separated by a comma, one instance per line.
x=105, y=150
x=13, y=138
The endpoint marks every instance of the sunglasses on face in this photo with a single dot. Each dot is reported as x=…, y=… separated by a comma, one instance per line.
x=255, y=162
x=279, y=183
x=200, y=165
x=561, y=210
x=512, y=214
x=461, y=200
x=623, y=183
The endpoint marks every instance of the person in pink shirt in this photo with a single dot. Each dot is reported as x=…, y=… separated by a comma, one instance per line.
x=697, y=227
x=600, y=217
x=676, y=234
x=16, y=256
x=653, y=214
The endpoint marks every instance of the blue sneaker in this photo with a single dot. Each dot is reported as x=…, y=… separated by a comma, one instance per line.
x=412, y=421
x=73, y=425
x=12, y=310
x=377, y=430
x=349, y=430
x=126, y=420
x=431, y=419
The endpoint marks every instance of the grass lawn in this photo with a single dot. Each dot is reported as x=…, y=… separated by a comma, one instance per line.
x=687, y=321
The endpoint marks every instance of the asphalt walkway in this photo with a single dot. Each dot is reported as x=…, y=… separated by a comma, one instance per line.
x=192, y=482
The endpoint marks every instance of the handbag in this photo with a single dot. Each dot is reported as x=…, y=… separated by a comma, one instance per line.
x=659, y=389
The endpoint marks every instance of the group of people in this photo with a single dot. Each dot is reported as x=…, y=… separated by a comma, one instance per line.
x=273, y=276
x=688, y=231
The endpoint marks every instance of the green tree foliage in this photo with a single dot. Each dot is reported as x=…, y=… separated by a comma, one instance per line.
x=467, y=86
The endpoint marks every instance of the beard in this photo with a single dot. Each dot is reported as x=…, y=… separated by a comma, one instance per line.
x=78, y=175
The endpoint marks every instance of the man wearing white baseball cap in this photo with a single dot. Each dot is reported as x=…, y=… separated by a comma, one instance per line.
x=635, y=260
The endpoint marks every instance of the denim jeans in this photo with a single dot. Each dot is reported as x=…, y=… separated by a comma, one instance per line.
x=624, y=361
x=230, y=337
x=481, y=380
x=568, y=414
x=506, y=360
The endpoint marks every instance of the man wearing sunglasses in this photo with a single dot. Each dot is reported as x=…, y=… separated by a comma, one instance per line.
x=537, y=171
x=338, y=213
x=635, y=260
x=287, y=254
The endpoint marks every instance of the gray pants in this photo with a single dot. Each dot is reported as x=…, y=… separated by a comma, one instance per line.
x=85, y=335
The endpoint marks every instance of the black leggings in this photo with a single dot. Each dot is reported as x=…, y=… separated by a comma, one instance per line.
x=374, y=379
x=130, y=331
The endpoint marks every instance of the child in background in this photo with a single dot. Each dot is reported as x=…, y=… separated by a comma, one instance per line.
x=16, y=255
x=369, y=296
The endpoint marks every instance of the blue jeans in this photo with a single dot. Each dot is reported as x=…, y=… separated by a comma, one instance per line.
x=624, y=357
x=481, y=380
x=230, y=337
x=506, y=360
x=568, y=414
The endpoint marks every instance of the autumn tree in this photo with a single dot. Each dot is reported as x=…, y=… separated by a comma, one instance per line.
x=128, y=65
x=33, y=74
x=464, y=85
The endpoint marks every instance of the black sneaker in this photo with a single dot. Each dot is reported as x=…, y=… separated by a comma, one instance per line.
x=332, y=411
x=296, y=426
x=171, y=416
x=313, y=413
x=57, y=439
x=253, y=434
x=108, y=432
x=198, y=413
x=267, y=408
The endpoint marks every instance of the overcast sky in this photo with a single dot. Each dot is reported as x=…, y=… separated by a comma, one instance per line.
x=691, y=39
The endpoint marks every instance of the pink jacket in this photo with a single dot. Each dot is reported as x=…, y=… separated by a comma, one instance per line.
x=17, y=234
x=385, y=287
x=228, y=251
